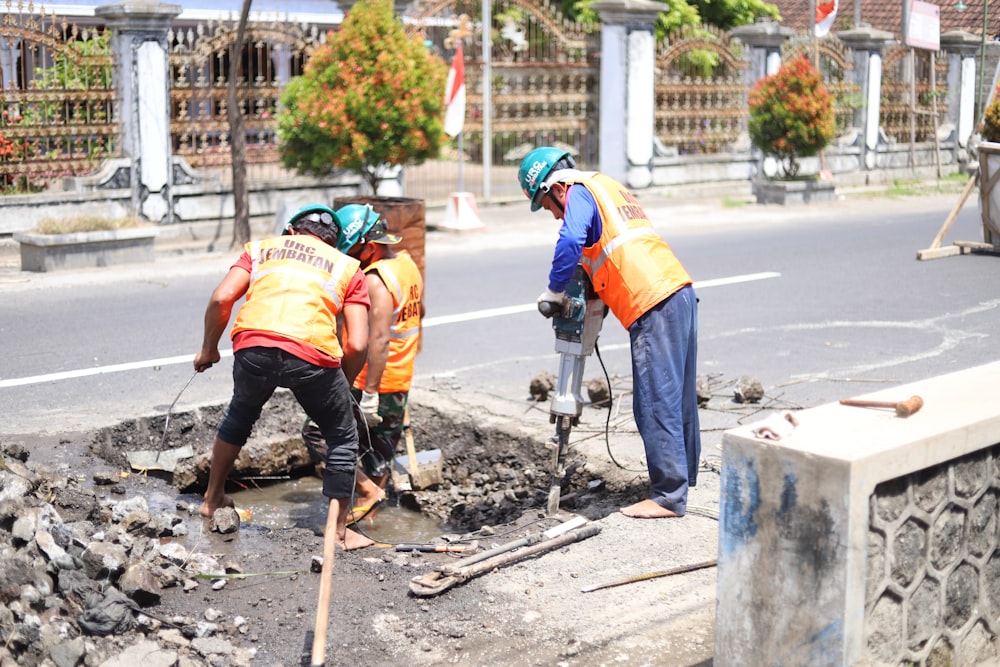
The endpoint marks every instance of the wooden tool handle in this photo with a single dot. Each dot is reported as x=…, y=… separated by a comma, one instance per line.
x=902, y=408
x=325, y=585
x=411, y=450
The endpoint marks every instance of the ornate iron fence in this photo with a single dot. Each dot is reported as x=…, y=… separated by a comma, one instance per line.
x=59, y=108
x=899, y=81
x=199, y=76
x=57, y=99
x=837, y=68
x=701, y=97
x=543, y=88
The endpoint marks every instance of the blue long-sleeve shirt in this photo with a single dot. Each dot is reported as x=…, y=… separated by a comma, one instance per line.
x=581, y=227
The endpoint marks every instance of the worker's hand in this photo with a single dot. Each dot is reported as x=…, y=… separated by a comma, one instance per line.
x=205, y=359
x=551, y=303
x=369, y=408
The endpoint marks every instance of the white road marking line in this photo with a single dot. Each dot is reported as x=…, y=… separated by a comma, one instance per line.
x=427, y=322
x=528, y=307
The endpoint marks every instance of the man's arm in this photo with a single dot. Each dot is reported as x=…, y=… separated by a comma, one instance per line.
x=220, y=308
x=354, y=339
x=581, y=227
x=379, y=327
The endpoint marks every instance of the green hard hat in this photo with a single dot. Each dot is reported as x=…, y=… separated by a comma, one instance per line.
x=314, y=213
x=361, y=223
x=535, y=168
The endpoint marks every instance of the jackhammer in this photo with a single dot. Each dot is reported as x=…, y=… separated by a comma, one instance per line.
x=576, y=327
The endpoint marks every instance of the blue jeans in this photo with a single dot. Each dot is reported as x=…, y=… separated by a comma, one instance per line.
x=665, y=403
x=322, y=392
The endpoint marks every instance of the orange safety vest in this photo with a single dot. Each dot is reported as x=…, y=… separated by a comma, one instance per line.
x=401, y=275
x=297, y=287
x=631, y=267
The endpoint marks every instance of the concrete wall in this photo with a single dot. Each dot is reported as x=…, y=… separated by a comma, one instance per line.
x=864, y=538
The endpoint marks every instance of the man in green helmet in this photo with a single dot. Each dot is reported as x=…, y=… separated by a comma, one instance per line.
x=635, y=273
x=285, y=335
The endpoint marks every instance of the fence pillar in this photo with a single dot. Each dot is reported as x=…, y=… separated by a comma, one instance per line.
x=962, y=48
x=765, y=38
x=628, y=104
x=139, y=43
x=867, y=44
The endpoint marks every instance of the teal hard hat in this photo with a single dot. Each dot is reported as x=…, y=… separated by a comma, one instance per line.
x=535, y=168
x=361, y=224
x=314, y=213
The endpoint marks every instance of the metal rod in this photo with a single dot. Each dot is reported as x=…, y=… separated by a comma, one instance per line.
x=651, y=575
x=166, y=423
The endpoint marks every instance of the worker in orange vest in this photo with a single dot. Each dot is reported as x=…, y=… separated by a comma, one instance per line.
x=297, y=285
x=382, y=388
x=637, y=275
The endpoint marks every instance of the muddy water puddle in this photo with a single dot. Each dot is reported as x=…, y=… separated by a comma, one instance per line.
x=300, y=503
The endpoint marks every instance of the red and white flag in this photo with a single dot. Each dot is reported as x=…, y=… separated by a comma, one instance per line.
x=454, y=95
x=826, y=14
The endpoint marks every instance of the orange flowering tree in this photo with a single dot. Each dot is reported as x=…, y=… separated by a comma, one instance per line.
x=369, y=98
x=990, y=126
x=791, y=114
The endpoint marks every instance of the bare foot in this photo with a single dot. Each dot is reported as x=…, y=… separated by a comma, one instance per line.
x=353, y=540
x=648, y=509
x=208, y=508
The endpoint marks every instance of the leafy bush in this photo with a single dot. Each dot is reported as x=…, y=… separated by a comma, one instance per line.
x=370, y=97
x=991, y=121
x=791, y=114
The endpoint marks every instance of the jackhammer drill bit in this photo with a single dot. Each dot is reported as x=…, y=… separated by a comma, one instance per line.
x=577, y=328
x=563, y=425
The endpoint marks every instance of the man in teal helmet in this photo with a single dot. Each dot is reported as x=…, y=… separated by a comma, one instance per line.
x=606, y=231
x=382, y=387
x=536, y=167
x=297, y=285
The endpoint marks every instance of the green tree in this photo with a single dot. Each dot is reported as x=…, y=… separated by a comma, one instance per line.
x=370, y=97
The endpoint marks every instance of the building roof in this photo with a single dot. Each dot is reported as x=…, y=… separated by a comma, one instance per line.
x=323, y=12
x=888, y=15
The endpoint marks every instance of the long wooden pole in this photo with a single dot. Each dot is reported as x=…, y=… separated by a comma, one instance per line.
x=325, y=585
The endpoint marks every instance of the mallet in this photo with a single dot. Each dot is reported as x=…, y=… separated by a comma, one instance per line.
x=902, y=408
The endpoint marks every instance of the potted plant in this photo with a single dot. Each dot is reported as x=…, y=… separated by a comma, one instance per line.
x=791, y=117
x=85, y=242
x=370, y=100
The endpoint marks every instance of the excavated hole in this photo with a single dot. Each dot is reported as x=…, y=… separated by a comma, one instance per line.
x=490, y=476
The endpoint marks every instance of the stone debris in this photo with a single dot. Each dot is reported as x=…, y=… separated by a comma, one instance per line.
x=598, y=391
x=704, y=391
x=748, y=390
x=541, y=385
x=82, y=575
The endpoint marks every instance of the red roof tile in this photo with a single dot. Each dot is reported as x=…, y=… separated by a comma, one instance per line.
x=887, y=15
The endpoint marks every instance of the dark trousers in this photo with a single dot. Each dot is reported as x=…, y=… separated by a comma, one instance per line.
x=322, y=392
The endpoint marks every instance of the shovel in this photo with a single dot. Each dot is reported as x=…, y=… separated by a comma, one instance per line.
x=416, y=470
x=157, y=459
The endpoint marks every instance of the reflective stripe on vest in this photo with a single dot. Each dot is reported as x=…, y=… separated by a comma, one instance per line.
x=402, y=278
x=297, y=288
x=631, y=267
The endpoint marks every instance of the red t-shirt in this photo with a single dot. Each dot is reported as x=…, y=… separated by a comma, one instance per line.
x=357, y=294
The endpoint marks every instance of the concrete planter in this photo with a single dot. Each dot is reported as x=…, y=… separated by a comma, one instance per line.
x=82, y=250
x=793, y=192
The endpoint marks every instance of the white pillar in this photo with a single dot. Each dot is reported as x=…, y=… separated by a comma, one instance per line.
x=139, y=42
x=628, y=60
x=867, y=44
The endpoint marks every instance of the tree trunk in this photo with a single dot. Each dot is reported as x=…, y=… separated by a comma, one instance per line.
x=238, y=138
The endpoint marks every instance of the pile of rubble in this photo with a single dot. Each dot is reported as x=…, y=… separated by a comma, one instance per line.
x=82, y=577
